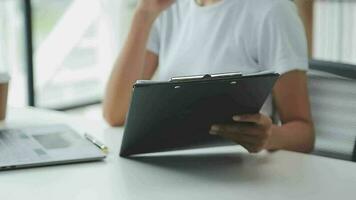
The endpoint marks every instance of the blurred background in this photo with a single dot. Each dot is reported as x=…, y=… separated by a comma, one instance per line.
x=74, y=43
x=59, y=54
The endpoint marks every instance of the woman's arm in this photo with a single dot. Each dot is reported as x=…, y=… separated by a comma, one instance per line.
x=134, y=62
x=292, y=102
x=296, y=132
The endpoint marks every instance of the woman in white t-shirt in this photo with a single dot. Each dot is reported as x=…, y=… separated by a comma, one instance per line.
x=188, y=37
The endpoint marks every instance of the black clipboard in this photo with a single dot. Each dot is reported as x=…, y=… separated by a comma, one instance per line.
x=178, y=114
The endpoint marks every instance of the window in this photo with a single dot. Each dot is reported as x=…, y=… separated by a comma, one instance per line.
x=334, y=31
x=12, y=50
x=74, y=43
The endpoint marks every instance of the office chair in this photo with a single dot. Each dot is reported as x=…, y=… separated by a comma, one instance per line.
x=332, y=90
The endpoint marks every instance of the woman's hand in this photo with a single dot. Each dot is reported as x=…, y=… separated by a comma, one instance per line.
x=250, y=131
x=153, y=7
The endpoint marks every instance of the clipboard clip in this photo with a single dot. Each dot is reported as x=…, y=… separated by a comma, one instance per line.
x=206, y=76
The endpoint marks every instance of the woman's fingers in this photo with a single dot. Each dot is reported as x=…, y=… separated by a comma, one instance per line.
x=237, y=133
x=258, y=119
x=250, y=143
x=251, y=136
x=240, y=128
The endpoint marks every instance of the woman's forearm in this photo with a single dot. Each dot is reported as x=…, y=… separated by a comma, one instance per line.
x=127, y=69
x=293, y=136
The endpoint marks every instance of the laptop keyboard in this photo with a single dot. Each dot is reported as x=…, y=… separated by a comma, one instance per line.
x=16, y=146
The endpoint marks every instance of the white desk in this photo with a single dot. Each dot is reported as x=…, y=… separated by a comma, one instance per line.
x=217, y=173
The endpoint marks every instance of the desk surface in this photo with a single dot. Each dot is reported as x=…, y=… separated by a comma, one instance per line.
x=215, y=173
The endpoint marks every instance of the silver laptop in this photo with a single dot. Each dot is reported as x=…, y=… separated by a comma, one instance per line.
x=45, y=145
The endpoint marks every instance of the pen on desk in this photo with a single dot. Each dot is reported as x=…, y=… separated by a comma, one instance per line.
x=97, y=143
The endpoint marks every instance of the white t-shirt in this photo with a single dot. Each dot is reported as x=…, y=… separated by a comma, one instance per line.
x=229, y=36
